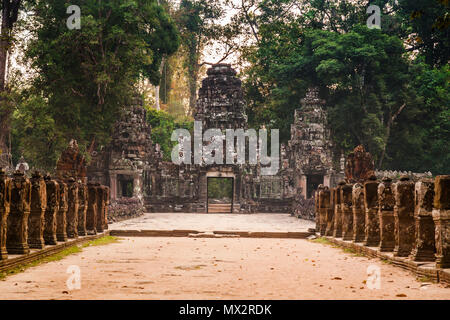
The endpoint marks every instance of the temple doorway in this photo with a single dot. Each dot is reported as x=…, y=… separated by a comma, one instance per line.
x=220, y=195
x=312, y=183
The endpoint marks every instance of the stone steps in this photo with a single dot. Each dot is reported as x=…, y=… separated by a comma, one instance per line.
x=219, y=208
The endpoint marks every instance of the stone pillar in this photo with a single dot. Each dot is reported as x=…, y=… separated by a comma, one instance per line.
x=317, y=209
x=424, y=247
x=372, y=222
x=347, y=212
x=359, y=213
x=324, y=206
x=51, y=212
x=386, y=203
x=17, y=233
x=441, y=217
x=404, y=217
x=36, y=220
x=330, y=214
x=91, y=214
x=337, y=232
x=72, y=210
x=317, y=206
x=82, y=208
x=61, y=216
x=100, y=208
x=106, y=194
x=5, y=202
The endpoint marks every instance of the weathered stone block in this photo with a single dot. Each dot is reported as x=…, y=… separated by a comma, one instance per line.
x=404, y=217
x=72, y=210
x=337, y=232
x=347, y=212
x=100, y=208
x=51, y=212
x=91, y=215
x=359, y=214
x=424, y=248
x=36, y=220
x=82, y=208
x=5, y=202
x=441, y=217
x=386, y=203
x=61, y=216
x=372, y=223
x=330, y=214
x=17, y=233
x=442, y=192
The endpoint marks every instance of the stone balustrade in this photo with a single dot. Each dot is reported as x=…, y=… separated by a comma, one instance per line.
x=91, y=215
x=441, y=217
x=36, y=220
x=43, y=211
x=406, y=219
x=386, y=203
x=359, y=214
x=5, y=199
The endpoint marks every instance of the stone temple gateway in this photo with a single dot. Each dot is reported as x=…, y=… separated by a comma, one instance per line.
x=134, y=170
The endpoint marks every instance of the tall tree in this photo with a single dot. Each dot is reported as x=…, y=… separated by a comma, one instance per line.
x=88, y=75
x=199, y=24
x=10, y=13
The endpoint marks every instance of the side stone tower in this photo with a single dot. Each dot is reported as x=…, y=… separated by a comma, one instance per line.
x=311, y=147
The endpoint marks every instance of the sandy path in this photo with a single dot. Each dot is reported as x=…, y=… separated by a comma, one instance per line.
x=187, y=268
x=215, y=222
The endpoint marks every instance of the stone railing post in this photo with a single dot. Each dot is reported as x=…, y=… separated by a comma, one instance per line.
x=5, y=202
x=386, y=203
x=324, y=206
x=17, y=233
x=441, y=217
x=317, y=206
x=36, y=220
x=107, y=197
x=347, y=212
x=72, y=210
x=404, y=217
x=61, y=216
x=359, y=213
x=100, y=208
x=51, y=212
x=424, y=247
x=82, y=208
x=330, y=214
x=337, y=232
x=372, y=224
x=91, y=215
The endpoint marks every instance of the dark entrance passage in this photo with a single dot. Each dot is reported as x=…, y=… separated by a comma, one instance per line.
x=313, y=182
x=220, y=195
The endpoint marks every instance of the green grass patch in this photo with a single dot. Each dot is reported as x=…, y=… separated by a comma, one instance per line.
x=424, y=279
x=322, y=240
x=59, y=256
x=101, y=241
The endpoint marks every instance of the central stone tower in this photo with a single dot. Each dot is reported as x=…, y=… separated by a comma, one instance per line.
x=220, y=101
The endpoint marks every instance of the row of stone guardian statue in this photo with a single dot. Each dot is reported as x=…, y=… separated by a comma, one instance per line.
x=43, y=211
x=410, y=219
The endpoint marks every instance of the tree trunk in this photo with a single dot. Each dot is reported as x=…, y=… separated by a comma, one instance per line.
x=193, y=78
x=10, y=9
